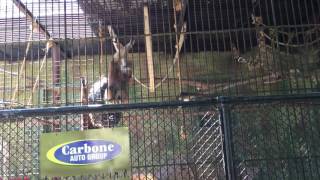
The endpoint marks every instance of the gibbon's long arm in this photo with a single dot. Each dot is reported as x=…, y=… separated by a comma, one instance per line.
x=117, y=45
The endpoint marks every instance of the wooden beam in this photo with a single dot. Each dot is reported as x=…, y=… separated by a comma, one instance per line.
x=85, y=119
x=30, y=16
x=83, y=91
x=36, y=25
x=148, y=39
x=56, y=65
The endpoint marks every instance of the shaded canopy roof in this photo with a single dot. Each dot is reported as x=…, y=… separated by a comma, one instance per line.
x=59, y=22
x=206, y=16
x=126, y=16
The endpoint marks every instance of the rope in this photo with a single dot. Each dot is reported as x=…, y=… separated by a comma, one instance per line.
x=8, y=72
x=163, y=79
x=22, y=67
x=49, y=45
x=291, y=45
x=178, y=47
x=256, y=21
x=310, y=31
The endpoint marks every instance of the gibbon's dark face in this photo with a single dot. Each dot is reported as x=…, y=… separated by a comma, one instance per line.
x=118, y=81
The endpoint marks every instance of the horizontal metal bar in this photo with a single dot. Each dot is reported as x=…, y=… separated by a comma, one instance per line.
x=283, y=158
x=97, y=108
x=122, y=107
x=264, y=99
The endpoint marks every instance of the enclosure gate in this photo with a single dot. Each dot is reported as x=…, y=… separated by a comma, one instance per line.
x=222, y=138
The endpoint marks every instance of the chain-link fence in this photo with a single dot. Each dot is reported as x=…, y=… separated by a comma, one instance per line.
x=166, y=142
x=71, y=53
x=272, y=138
x=235, y=138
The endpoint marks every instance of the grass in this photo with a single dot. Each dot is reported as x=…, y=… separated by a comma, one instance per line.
x=211, y=72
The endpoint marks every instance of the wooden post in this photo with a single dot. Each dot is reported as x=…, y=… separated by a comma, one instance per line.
x=179, y=12
x=87, y=120
x=56, y=65
x=84, y=101
x=83, y=91
x=148, y=39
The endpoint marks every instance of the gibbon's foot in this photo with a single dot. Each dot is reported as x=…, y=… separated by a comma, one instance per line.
x=240, y=59
x=96, y=126
x=92, y=122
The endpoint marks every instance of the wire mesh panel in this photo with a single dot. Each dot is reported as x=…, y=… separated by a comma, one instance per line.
x=235, y=138
x=208, y=147
x=176, y=48
x=174, y=142
x=275, y=140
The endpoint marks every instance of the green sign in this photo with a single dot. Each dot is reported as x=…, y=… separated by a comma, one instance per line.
x=85, y=152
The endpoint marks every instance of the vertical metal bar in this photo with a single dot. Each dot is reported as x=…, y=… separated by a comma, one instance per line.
x=165, y=87
x=145, y=152
x=170, y=89
x=11, y=59
x=301, y=115
x=73, y=66
x=78, y=50
x=204, y=43
x=65, y=54
x=176, y=13
x=158, y=22
x=188, y=132
x=151, y=140
x=136, y=90
x=292, y=10
x=224, y=110
x=158, y=130
x=314, y=129
x=38, y=78
x=92, y=45
x=166, y=138
x=4, y=67
x=45, y=85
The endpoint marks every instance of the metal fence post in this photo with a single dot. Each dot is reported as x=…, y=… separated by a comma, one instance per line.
x=224, y=110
